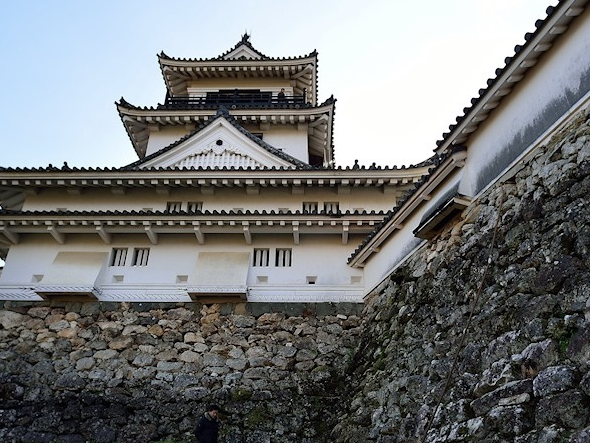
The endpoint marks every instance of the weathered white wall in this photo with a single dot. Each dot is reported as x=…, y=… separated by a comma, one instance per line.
x=550, y=89
x=402, y=242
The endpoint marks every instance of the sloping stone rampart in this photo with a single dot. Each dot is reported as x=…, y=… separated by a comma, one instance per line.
x=523, y=373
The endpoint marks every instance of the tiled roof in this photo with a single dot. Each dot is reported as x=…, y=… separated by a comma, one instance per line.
x=65, y=168
x=508, y=62
x=244, y=41
x=222, y=113
x=437, y=161
x=7, y=212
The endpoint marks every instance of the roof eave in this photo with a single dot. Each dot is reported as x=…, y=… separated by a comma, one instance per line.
x=454, y=161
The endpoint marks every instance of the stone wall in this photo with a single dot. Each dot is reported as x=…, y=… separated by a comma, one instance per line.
x=106, y=372
x=522, y=374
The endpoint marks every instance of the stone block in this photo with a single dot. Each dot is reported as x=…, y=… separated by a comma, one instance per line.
x=85, y=364
x=568, y=409
x=105, y=354
x=582, y=436
x=548, y=434
x=485, y=403
x=507, y=420
x=10, y=319
x=554, y=379
x=538, y=356
x=497, y=375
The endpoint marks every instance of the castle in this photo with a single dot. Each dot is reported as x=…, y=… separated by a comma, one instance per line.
x=235, y=197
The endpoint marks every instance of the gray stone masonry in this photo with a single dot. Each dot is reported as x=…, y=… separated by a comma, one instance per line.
x=523, y=374
x=139, y=372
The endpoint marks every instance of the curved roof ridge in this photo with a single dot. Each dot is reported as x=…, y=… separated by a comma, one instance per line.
x=245, y=41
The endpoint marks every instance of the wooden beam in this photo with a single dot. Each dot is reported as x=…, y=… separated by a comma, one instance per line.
x=199, y=234
x=13, y=237
x=58, y=236
x=247, y=233
x=106, y=237
x=296, y=233
x=345, y=234
x=153, y=236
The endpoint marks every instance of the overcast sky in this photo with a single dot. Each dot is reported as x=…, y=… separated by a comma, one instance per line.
x=401, y=70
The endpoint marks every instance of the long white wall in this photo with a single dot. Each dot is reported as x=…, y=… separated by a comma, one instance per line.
x=173, y=263
x=550, y=89
x=549, y=93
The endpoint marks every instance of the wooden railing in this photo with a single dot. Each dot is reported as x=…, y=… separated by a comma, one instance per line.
x=236, y=99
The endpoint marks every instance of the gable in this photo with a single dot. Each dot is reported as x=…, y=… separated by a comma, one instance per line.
x=242, y=51
x=218, y=145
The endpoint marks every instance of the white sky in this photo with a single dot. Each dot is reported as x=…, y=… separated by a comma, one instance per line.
x=401, y=70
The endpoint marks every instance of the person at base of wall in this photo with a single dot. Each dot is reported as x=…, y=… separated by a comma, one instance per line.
x=207, y=428
x=281, y=96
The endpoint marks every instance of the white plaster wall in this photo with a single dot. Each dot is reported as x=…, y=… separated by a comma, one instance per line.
x=262, y=83
x=176, y=256
x=399, y=244
x=288, y=138
x=164, y=137
x=269, y=199
x=554, y=78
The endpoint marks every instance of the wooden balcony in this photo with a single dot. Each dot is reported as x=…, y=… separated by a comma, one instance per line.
x=236, y=99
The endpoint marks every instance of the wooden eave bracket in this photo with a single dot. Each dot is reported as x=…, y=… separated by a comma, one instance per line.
x=296, y=235
x=56, y=234
x=152, y=235
x=12, y=236
x=247, y=233
x=106, y=237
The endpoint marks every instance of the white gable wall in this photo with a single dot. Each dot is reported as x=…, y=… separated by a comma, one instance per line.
x=222, y=139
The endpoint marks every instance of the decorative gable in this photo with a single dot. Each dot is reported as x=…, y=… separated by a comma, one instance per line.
x=218, y=145
x=242, y=52
x=218, y=154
